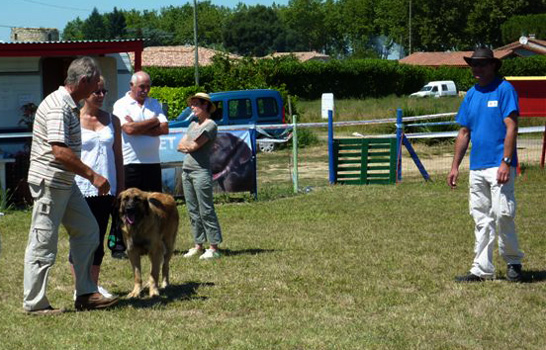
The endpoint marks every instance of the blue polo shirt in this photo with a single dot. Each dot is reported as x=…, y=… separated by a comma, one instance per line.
x=483, y=111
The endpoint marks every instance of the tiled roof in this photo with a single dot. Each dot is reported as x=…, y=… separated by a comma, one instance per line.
x=454, y=59
x=530, y=44
x=177, y=56
x=517, y=44
x=183, y=56
x=303, y=56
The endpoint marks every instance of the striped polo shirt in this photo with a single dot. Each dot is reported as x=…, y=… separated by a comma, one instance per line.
x=57, y=121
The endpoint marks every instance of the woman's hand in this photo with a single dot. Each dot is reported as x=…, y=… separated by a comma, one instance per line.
x=188, y=146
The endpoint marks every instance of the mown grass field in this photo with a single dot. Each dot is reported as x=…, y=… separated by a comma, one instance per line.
x=341, y=267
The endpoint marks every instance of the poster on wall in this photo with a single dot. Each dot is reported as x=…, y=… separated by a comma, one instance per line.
x=233, y=161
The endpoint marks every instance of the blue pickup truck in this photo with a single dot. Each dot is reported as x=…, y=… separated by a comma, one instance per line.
x=258, y=106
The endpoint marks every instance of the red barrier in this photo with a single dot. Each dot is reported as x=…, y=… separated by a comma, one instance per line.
x=532, y=101
x=532, y=95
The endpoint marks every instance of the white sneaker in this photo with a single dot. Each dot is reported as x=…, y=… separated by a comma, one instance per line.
x=210, y=254
x=105, y=293
x=192, y=252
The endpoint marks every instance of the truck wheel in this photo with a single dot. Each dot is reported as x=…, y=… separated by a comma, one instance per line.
x=266, y=147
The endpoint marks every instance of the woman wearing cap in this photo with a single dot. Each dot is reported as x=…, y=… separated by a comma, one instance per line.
x=197, y=177
x=101, y=151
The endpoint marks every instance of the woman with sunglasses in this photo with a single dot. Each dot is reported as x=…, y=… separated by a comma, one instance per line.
x=101, y=150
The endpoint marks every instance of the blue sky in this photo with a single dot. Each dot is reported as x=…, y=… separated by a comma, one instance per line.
x=56, y=13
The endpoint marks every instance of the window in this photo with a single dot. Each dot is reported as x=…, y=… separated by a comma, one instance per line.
x=267, y=107
x=240, y=109
x=435, y=89
x=444, y=87
x=217, y=115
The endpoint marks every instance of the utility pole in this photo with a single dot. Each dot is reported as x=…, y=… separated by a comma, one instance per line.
x=195, y=41
x=409, y=27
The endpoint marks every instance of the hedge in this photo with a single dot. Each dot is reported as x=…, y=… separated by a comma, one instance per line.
x=174, y=98
x=345, y=78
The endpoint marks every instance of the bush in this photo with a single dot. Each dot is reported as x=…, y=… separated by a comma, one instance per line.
x=529, y=66
x=359, y=78
x=306, y=137
x=174, y=98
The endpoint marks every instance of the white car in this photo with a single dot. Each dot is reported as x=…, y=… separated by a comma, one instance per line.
x=437, y=89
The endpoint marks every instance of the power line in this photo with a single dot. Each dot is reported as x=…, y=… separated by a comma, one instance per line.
x=57, y=6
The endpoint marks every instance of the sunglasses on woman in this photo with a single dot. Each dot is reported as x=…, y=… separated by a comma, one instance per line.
x=100, y=91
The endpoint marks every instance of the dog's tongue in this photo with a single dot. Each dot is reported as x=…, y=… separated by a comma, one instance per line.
x=130, y=219
x=218, y=175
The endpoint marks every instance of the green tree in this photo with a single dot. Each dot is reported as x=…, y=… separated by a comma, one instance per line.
x=210, y=23
x=337, y=45
x=486, y=18
x=73, y=30
x=357, y=25
x=304, y=20
x=147, y=25
x=440, y=25
x=94, y=27
x=254, y=30
x=435, y=25
x=171, y=19
x=524, y=25
x=116, y=24
x=391, y=19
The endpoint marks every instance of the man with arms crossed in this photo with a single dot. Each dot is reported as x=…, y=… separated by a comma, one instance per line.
x=142, y=122
x=54, y=161
x=489, y=119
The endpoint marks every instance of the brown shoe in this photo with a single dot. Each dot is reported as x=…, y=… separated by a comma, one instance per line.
x=44, y=312
x=94, y=301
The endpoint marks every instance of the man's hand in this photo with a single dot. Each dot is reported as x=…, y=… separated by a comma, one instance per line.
x=101, y=183
x=503, y=174
x=452, y=178
x=129, y=119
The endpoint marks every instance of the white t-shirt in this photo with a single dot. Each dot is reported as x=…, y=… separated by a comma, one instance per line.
x=139, y=149
x=98, y=154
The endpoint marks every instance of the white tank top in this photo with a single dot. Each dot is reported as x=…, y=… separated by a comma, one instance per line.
x=98, y=154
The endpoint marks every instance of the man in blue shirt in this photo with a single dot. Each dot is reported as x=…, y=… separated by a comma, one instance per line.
x=489, y=120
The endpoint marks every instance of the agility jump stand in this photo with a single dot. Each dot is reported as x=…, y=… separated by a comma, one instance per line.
x=361, y=161
x=402, y=139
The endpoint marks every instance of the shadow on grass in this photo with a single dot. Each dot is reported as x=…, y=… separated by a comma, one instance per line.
x=532, y=276
x=229, y=252
x=529, y=276
x=172, y=293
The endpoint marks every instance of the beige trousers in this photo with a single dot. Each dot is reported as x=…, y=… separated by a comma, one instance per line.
x=493, y=207
x=51, y=208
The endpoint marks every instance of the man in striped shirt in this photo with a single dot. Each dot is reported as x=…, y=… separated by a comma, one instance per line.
x=54, y=161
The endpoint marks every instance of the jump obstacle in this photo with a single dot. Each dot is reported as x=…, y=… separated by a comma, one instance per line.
x=363, y=161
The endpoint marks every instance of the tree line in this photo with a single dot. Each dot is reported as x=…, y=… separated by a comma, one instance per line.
x=340, y=28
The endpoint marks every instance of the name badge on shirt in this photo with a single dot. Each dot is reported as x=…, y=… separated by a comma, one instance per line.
x=492, y=103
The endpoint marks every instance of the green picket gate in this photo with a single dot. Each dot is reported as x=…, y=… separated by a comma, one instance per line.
x=362, y=161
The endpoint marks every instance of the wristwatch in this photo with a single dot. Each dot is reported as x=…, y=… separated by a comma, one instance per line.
x=507, y=160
